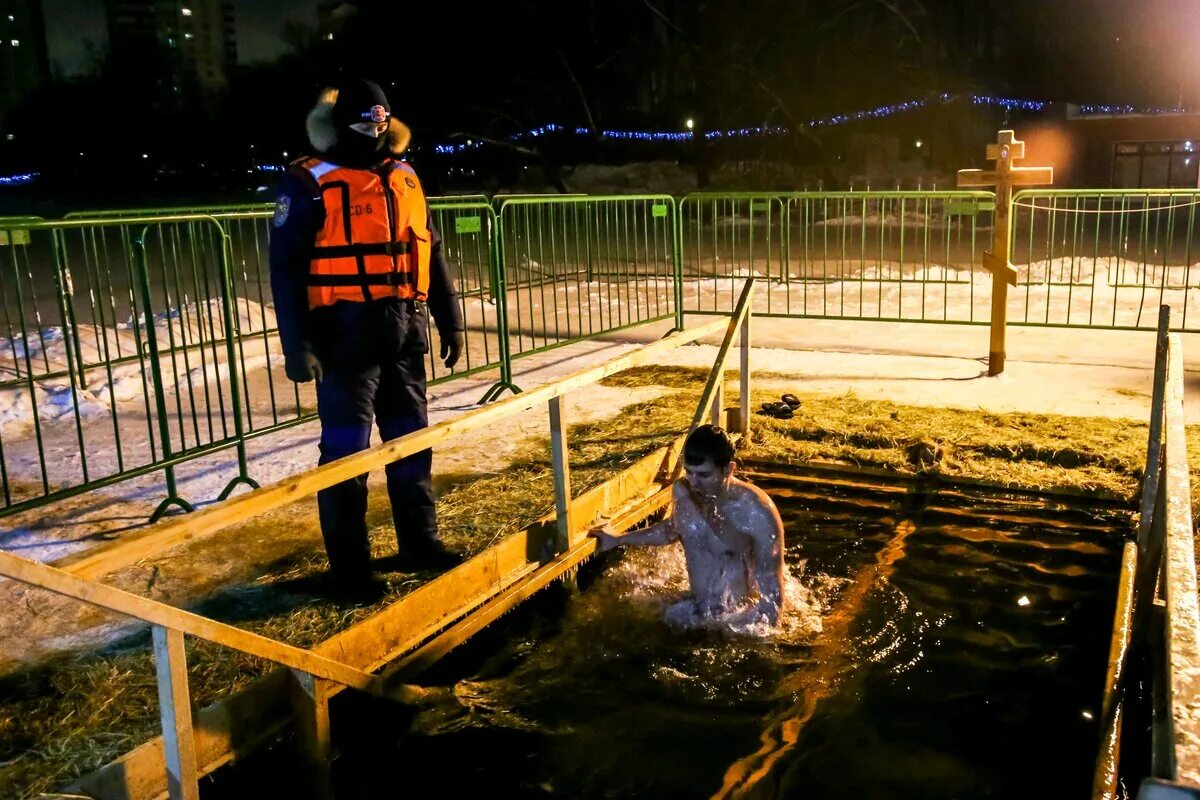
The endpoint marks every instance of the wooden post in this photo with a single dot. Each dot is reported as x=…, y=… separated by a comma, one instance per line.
x=744, y=388
x=310, y=704
x=562, y=475
x=1004, y=177
x=718, y=401
x=175, y=710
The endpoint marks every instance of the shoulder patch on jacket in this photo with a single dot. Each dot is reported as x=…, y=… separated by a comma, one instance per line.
x=283, y=206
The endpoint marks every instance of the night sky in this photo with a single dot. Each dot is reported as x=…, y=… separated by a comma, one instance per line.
x=1169, y=29
x=69, y=23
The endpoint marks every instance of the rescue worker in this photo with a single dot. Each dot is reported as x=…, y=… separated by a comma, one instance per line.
x=356, y=266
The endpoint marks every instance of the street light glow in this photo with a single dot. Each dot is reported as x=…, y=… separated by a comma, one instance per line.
x=691, y=123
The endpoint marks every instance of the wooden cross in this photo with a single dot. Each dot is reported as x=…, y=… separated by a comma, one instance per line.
x=1004, y=177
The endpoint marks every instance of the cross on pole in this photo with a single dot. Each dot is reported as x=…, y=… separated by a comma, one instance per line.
x=1004, y=177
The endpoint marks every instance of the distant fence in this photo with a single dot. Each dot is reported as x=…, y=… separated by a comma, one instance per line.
x=910, y=256
x=1105, y=258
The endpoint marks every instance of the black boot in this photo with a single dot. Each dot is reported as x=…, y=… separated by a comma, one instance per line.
x=430, y=554
x=357, y=589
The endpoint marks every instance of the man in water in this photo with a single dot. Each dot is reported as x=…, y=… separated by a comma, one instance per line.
x=731, y=533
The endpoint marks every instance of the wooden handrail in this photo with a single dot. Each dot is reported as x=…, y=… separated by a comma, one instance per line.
x=202, y=524
x=176, y=619
x=1182, y=623
x=480, y=572
x=1165, y=557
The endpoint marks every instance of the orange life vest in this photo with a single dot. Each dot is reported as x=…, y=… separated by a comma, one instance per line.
x=375, y=242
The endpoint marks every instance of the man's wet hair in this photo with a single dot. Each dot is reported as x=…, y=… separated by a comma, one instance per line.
x=708, y=443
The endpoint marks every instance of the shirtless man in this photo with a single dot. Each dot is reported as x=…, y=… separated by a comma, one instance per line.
x=731, y=533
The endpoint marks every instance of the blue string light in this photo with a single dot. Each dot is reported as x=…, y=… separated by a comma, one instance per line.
x=18, y=180
x=1106, y=109
x=648, y=136
x=1010, y=103
x=1112, y=110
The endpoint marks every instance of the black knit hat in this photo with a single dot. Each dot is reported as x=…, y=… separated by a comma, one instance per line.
x=360, y=102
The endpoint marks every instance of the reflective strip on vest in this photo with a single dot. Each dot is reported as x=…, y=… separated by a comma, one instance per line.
x=322, y=168
x=375, y=242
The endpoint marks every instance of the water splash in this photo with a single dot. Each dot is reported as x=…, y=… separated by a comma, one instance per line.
x=658, y=578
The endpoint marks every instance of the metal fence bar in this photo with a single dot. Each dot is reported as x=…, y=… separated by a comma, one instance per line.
x=1104, y=258
x=840, y=255
x=619, y=250
x=194, y=290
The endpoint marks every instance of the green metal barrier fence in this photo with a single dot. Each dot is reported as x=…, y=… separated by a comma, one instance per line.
x=896, y=256
x=161, y=328
x=133, y=341
x=141, y=306
x=467, y=226
x=577, y=267
x=1105, y=258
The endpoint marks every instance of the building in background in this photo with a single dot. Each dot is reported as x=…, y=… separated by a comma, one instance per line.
x=179, y=45
x=332, y=18
x=1117, y=147
x=24, y=63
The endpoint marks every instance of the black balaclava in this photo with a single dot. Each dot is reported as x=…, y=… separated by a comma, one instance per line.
x=360, y=103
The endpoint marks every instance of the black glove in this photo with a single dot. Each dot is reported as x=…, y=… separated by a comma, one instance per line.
x=452, y=347
x=302, y=366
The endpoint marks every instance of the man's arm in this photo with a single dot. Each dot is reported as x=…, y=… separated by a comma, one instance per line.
x=658, y=534
x=767, y=537
x=443, y=299
x=293, y=229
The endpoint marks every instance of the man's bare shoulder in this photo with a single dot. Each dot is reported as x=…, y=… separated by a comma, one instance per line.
x=746, y=492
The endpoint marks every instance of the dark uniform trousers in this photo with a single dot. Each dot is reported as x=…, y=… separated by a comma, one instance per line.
x=373, y=355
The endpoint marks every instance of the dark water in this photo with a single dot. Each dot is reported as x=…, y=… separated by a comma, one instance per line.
x=929, y=654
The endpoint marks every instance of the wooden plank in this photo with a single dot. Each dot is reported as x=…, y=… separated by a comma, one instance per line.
x=1183, y=611
x=1151, y=474
x=429, y=653
x=1001, y=269
x=310, y=707
x=55, y=580
x=1016, y=176
x=201, y=524
x=1001, y=235
x=1031, y=176
x=562, y=474
x=718, y=370
x=718, y=401
x=995, y=151
x=744, y=377
x=175, y=711
x=977, y=177
x=1104, y=779
x=234, y=727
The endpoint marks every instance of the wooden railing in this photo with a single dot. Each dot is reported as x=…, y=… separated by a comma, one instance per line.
x=1156, y=632
x=451, y=607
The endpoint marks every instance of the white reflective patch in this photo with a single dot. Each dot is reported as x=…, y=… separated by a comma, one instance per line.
x=282, y=206
x=321, y=169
